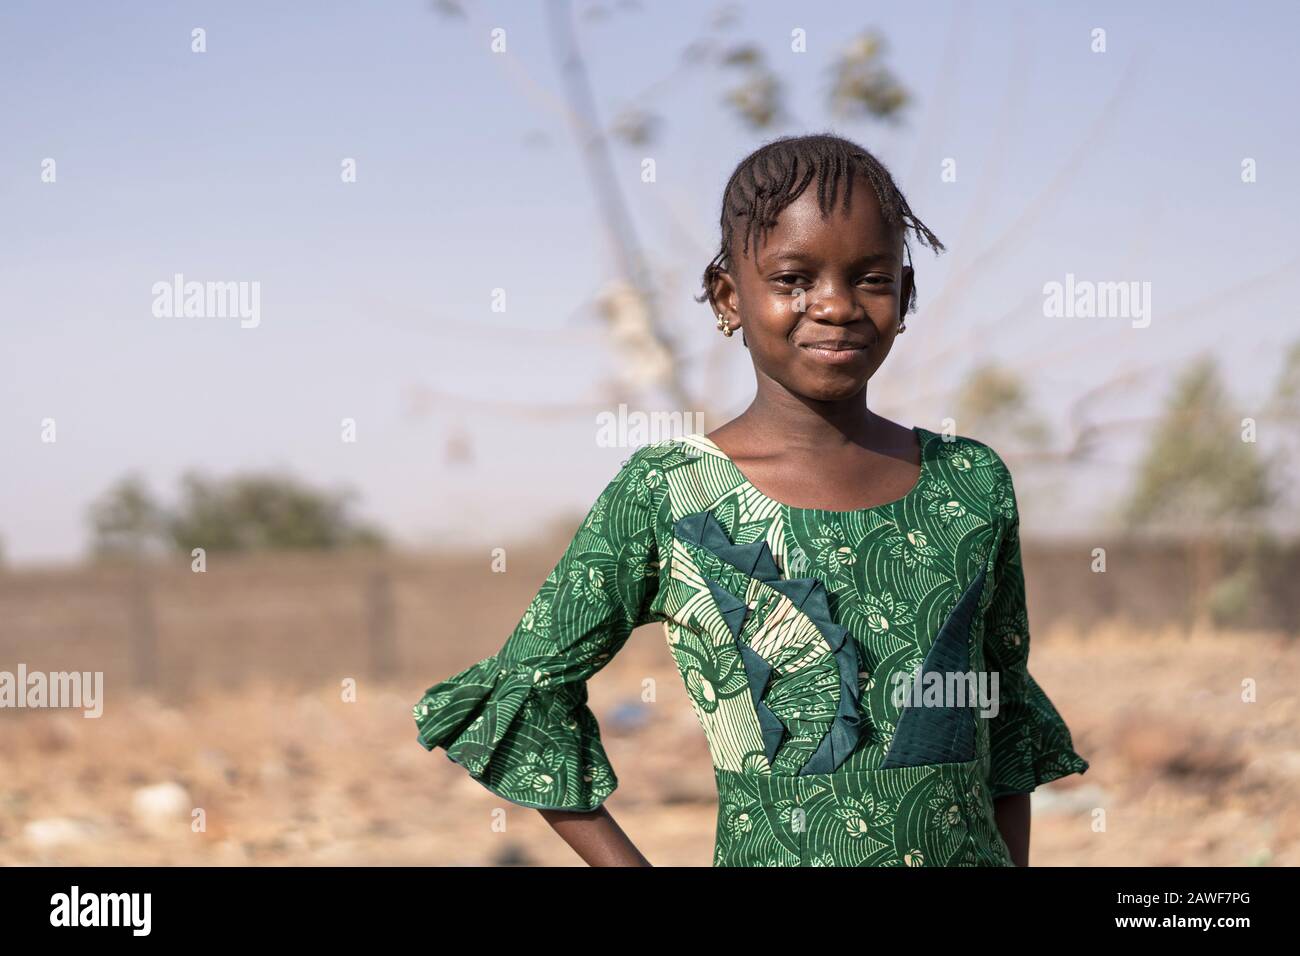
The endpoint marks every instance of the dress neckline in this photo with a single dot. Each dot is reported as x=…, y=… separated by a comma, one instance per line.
x=923, y=436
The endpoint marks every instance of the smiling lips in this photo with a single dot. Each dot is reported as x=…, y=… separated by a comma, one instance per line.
x=835, y=352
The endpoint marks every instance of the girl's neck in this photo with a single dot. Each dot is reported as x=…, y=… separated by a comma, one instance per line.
x=807, y=425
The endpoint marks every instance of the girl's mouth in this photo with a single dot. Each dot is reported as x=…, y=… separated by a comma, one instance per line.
x=831, y=353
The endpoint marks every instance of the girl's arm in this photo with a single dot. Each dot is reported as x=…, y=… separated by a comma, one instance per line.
x=595, y=837
x=1029, y=743
x=1012, y=815
x=519, y=721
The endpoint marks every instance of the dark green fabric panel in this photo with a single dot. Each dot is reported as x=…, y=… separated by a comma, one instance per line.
x=934, y=735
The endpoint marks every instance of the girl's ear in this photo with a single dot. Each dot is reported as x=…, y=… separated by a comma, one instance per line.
x=723, y=294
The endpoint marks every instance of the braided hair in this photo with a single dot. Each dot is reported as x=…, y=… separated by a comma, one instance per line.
x=776, y=174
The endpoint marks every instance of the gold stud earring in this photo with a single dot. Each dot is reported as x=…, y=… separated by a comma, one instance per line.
x=725, y=329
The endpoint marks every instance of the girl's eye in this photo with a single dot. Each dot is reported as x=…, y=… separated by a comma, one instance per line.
x=877, y=279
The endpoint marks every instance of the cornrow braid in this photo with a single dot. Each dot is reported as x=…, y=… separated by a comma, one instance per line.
x=776, y=174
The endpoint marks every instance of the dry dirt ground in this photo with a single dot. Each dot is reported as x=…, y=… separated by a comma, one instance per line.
x=1183, y=770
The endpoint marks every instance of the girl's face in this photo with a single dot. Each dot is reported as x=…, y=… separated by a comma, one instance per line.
x=821, y=300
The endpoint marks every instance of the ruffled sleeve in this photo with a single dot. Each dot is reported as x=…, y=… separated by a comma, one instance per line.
x=1030, y=743
x=518, y=721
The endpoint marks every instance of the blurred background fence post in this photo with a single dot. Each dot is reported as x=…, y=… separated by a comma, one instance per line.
x=143, y=629
x=381, y=624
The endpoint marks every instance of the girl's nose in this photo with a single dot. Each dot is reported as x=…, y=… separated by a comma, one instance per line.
x=834, y=304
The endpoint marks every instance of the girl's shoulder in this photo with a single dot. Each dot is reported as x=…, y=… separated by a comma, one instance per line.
x=966, y=453
x=669, y=453
x=671, y=476
x=976, y=467
x=644, y=472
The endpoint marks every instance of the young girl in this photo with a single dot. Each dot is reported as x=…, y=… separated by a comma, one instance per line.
x=842, y=595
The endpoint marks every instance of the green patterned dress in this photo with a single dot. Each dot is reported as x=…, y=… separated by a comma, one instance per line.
x=833, y=659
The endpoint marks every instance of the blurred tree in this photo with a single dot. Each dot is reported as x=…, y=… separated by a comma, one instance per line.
x=1286, y=391
x=1281, y=412
x=863, y=86
x=1199, y=473
x=629, y=306
x=240, y=513
x=126, y=521
x=264, y=512
x=994, y=404
x=757, y=100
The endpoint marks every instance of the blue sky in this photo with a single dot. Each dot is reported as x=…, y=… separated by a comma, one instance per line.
x=225, y=166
